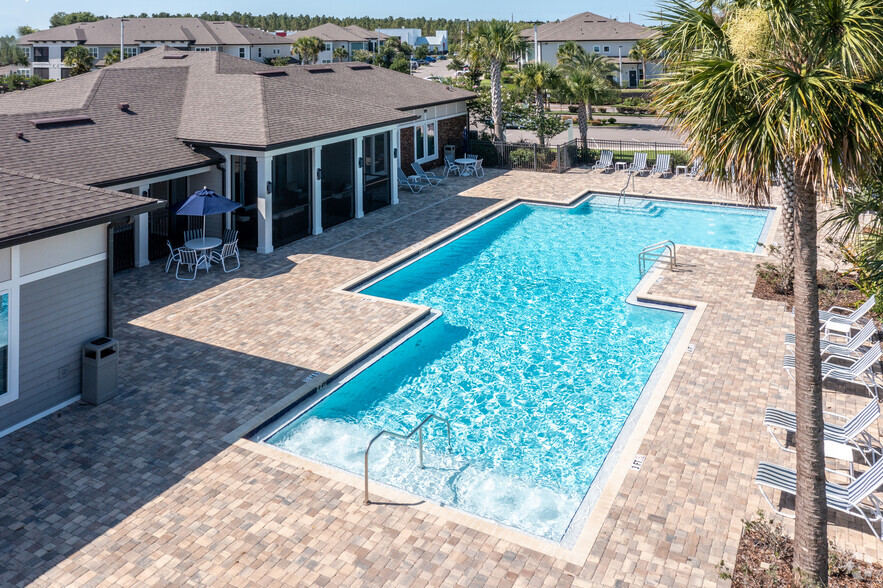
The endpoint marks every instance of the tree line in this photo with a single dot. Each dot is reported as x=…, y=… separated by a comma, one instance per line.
x=299, y=22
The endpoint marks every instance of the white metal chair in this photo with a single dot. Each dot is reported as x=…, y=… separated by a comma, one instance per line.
x=860, y=371
x=230, y=235
x=451, y=166
x=639, y=163
x=855, y=498
x=192, y=234
x=428, y=177
x=191, y=258
x=834, y=320
x=845, y=350
x=478, y=169
x=662, y=165
x=411, y=182
x=174, y=255
x=227, y=251
x=604, y=162
x=853, y=433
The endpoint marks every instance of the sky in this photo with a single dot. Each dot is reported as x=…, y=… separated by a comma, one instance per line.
x=36, y=13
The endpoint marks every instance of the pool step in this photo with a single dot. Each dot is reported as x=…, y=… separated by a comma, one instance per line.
x=636, y=207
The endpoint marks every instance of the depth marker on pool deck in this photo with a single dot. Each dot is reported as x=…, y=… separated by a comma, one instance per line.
x=637, y=462
x=691, y=348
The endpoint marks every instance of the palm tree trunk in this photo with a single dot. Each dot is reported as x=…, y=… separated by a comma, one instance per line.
x=589, y=109
x=583, y=125
x=811, y=509
x=786, y=174
x=497, y=99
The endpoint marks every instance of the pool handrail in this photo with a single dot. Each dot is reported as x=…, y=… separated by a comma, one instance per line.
x=655, y=252
x=418, y=429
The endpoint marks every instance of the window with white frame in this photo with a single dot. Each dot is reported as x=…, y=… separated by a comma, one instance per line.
x=596, y=49
x=260, y=52
x=205, y=49
x=27, y=51
x=242, y=52
x=606, y=48
x=93, y=51
x=130, y=52
x=425, y=147
x=4, y=343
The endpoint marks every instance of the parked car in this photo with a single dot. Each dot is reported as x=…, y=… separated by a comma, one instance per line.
x=430, y=59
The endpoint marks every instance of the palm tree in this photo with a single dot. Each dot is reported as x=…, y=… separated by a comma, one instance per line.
x=340, y=54
x=595, y=72
x=111, y=57
x=568, y=50
x=790, y=84
x=535, y=78
x=79, y=59
x=495, y=42
x=641, y=51
x=308, y=49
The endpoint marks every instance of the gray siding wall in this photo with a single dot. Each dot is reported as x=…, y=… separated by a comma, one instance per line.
x=58, y=315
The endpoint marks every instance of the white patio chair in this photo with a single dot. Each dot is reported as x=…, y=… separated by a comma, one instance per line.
x=846, y=350
x=662, y=165
x=428, y=177
x=853, y=434
x=411, y=182
x=639, y=163
x=696, y=170
x=833, y=319
x=855, y=498
x=861, y=371
x=230, y=235
x=477, y=168
x=451, y=166
x=192, y=234
x=604, y=162
x=191, y=258
x=227, y=251
x=174, y=255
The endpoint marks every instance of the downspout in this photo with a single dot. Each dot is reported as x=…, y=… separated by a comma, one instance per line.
x=109, y=282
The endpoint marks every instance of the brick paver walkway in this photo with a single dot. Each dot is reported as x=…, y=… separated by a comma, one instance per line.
x=143, y=491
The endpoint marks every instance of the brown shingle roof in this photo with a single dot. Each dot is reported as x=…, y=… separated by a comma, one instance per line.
x=139, y=30
x=35, y=207
x=588, y=26
x=331, y=32
x=204, y=99
x=366, y=34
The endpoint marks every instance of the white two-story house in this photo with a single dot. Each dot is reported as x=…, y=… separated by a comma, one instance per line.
x=351, y=38
x=46, y=49
x=595, y=34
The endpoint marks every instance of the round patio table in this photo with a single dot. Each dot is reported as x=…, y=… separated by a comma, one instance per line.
x=203, y=244
x=465, y=163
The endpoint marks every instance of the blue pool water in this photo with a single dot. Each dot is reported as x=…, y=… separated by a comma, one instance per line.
x=537, y=359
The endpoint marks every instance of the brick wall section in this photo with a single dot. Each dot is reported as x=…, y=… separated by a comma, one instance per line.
x=406, y=149
x=449, y=132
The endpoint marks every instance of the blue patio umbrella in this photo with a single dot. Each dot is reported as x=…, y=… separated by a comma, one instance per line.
x=204, y=203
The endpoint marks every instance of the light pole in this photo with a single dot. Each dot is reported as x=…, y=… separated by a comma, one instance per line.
x=122, y=28
x=620, y=66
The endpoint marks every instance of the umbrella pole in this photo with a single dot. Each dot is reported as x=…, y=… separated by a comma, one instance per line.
x=203, y=227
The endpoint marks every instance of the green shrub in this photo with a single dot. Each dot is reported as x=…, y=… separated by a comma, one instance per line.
x=679, y=158
x=611, y=120
x=573, y=109
x=487, y=152
x=521, y=158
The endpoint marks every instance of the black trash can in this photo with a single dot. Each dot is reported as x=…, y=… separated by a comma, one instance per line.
x=100, y=370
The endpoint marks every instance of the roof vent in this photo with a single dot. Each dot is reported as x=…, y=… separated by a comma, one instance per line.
x=19, y=135
x=267, y=73
x=174, y=56
x=61, y=121
x=124, y=106
x=360, y=67
x=317, y=70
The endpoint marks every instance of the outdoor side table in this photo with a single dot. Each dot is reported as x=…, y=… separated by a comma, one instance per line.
x=679, y=168
x=621, y=165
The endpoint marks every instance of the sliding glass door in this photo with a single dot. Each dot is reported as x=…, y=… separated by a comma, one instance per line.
x=338, y=191
x=292, y=188
x=375, y=170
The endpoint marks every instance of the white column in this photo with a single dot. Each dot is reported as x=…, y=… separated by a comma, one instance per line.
x=360, y=177
x=317, y=191
x=142, y=234
x=394, y=168
x=265, y=205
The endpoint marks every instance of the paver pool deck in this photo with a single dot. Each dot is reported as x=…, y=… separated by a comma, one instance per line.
x=145, y=490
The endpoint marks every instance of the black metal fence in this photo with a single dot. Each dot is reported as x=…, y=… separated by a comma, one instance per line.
x=123, y=247
x=560, y=158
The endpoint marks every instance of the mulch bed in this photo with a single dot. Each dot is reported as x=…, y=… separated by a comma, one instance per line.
x=765, y=557
x=834, y=290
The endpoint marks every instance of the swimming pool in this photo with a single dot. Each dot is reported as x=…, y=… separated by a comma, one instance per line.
x=536, y=358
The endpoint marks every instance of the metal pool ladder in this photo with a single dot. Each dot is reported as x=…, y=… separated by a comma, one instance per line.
x=652, y=253
x=419, y=430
